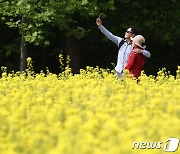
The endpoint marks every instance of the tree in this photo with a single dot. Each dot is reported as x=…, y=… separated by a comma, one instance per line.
x=31, y=17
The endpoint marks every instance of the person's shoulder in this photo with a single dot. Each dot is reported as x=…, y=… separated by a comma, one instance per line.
x=121, y=41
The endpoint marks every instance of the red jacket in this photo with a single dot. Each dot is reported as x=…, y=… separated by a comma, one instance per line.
x=135, y=63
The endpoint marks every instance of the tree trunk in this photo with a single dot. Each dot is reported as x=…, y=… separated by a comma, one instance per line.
x=23, y=61
x=72, y=49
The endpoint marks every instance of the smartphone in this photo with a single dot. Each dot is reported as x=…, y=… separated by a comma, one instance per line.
x=100, y=15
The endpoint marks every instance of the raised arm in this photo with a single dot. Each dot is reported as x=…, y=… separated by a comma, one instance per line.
x=108, y=34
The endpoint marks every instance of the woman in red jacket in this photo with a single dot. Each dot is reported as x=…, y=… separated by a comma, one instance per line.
x=136, y=61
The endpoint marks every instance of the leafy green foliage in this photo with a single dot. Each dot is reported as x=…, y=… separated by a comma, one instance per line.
x=38, y=14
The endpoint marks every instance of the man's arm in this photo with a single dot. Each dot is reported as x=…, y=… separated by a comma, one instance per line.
x=108, y=34
x=144, y=52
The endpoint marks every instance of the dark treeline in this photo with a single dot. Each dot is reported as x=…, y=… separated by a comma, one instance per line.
x=74, y=32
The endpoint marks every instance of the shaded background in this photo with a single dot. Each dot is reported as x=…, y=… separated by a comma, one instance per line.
x=157, y=21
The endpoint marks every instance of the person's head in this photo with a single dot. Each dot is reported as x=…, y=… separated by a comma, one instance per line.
x=130, y=32
x=138, y=41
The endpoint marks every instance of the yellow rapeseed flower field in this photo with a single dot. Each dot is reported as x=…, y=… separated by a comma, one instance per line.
x=88, y=113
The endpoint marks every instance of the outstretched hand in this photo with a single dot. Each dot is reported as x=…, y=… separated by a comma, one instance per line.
x=98, y=21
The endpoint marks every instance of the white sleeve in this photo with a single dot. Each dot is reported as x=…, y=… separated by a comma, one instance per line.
x=146, y=54
x=109, y=35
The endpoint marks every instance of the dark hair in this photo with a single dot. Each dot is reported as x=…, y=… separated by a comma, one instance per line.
x=134, y=30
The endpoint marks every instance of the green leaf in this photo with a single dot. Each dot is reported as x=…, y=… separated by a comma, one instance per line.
x=84, y=2
x=27, y=37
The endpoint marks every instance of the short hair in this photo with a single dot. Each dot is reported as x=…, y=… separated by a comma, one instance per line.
x=134, y=30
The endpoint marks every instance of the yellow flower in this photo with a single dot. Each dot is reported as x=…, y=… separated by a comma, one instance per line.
x=90, y=112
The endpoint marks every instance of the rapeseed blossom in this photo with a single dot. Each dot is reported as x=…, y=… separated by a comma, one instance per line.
x=88, y=113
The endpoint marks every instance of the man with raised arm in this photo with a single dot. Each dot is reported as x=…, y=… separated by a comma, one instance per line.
x=124, y=44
